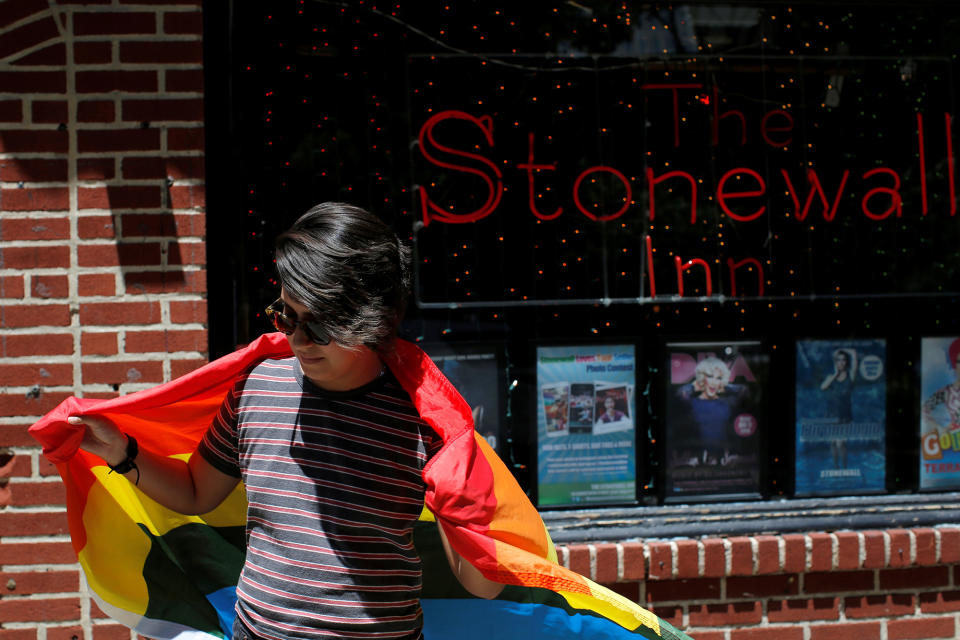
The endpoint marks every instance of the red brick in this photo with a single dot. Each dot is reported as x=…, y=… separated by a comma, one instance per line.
x=914, y=578
x=95, y=168
x=11, y=287
x=184, y=80
x=13, y=553
x=93, y=52
x=718, y=615
x=118, y=313
x=33, y=140
x=17, y=10
x=34, y=228
x=767, y=633
x=881, y=606
x=798, y=609
x=33, y=257
x=99, y=344
x=40, y=582
x=673, y=615
x=166, y=281
x=741, y=556
x=49, y=286
x=186, y=139
x=64, y=633
x=188, y=197
x=676, y=590
x=852, y=630
x=122, y=372
x=101, y=395
x=33, y=82
x=110, y=631
x=196, y=340
x=53, y=56
x=940, y=602
x=768, y=554
x=921, y=628
x=33, y=170
x=183, y=367
x=119, y=197
x=176, y=167
x=634, y=564
x=161, y=51
x=163, y=109
x=926, y=541
x=762, y=586
x=34, y=315
x=873, y=544
x=795, y=553
x=95, y=140
x=115, y=254
x=899, y=548
x=136, y=225
x=848, y=550
x=661, y=560
x=949, y=545
x=821, y=552
x=688, y=559
x=22, y=467
x=714, y=558
x=183, y=23
x=838, y=581
x=46, y=468
x=182, y=312
x=106, y=23
x=46, y=610
x=25, y=375
x=96, y=284
x=18, y=404
x=607, y=559
x=96, y=226
x=35, y=199
x=19, y=345
x=711, y=635
x=11, y=110
x=18, y=634
x=96, y=111
x=27, y=36
x=35, y=494
x=116, y=80
x=579, y=559
x=629, y=590
x=49, y=111
x=20, y=523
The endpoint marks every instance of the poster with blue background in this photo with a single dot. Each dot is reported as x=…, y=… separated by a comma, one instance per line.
x=586, y=425
x=940, y=413
x=841, y=400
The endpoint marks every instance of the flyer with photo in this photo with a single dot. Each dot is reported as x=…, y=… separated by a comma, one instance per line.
x=586, y=428
x=940, y=413
x=841, y=400
x=715, y=414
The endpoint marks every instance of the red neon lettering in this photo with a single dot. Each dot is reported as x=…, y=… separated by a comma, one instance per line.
x=653, y=280
x=722, y=197
x=626, y=201
x=530, y=167
x=765, y=129
x=953, y=187
x=896, y=202
x=676, y=103
x=717, y=117
x=494, y=190
x=733, y=266
x=829, y=211
x=653, y=181
x=681, y=267
x=923, y=164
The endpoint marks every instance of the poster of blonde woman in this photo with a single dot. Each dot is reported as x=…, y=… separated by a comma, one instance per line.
x=940, y=413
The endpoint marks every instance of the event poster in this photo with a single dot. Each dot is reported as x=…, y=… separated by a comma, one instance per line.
x=940, y=413
x=586, y=425
x=715, y=415
x=475, y=371
x=841, y=399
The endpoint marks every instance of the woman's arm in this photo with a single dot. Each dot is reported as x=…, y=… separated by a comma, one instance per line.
x=468, y=575
x=188, y=488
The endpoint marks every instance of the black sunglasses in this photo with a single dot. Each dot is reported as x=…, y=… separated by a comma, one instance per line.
x=286, y=325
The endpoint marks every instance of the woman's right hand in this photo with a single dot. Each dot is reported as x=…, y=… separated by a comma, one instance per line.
x=102, y=438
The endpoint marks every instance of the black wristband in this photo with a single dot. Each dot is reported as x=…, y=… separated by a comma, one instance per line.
x=128, y=463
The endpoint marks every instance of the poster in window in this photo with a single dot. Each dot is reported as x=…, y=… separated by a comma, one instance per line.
x=841, y=399
x=476, y=373
x=586, y=425
x=940, y=413
x=715, y=417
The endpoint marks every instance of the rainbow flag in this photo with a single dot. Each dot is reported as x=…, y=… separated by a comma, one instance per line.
x=168, y=576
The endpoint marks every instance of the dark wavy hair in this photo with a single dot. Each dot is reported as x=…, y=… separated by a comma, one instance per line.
x=350, y=270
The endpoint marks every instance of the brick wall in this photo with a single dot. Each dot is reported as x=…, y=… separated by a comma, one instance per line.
x=869, y=585
x=102, y=266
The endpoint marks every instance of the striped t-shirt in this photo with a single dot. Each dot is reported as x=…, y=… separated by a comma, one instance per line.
x=334, y=486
